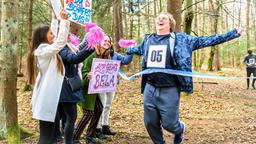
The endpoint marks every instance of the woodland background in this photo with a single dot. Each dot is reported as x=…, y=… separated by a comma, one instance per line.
x=131, y=19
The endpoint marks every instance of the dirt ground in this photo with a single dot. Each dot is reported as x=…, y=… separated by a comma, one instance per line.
x=220, y=112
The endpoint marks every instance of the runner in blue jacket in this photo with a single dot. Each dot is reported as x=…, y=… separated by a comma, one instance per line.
x=166, y=49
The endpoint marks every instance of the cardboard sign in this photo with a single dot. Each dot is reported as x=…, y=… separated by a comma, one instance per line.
x=104, y=76
x=79, y=11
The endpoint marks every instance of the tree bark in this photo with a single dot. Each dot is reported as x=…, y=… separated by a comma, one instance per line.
x=125, y=23
x=248, y=24
x=0, y=14
x=202, y=51
x=118, y=29
x=188, y=18
x=8, y=71
x=174, y=7
x=214, y=53
x=160, y=6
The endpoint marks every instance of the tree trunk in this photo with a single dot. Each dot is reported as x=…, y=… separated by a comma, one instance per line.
x=195, y=27
x=214, y=58
x=0, y=14
x=118, y=29
x=160, y=6
x=174, y=7
x=30, y=18
x=28, y=87
x=248, y=24
x=155, y=8
x=148, y=18
x=188, y=18
x=254, y=22
x=125, y=23
x=8, y=72
x=216, y=49
x=131, y=20
x=202, y=51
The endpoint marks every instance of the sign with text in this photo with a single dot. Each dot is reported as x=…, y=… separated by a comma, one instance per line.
x=104, y=76
x=79, y=11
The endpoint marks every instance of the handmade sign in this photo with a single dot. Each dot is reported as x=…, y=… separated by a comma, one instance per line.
x=104, y=75
x=79, y=11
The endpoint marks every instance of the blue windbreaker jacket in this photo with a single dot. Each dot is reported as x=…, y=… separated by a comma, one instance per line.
x=184, y=45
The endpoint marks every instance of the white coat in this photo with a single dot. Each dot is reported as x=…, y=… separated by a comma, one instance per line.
x=48, y=84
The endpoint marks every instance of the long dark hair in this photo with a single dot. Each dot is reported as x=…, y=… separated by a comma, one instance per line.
x=39, y=37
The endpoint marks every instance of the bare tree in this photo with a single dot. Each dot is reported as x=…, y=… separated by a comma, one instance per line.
x=214, y=53
x=188, y=18
x=174, y=7
x=248, y=23
x=202, y=51
x=118, y=28
x=8, y=71
x=254, y=22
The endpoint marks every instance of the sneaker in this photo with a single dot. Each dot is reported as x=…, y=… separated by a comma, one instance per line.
x=92, y=140
x=178, y=138
x=99, y=134
x=107, y=130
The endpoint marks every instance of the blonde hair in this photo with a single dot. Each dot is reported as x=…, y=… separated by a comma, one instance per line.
x=171, y=20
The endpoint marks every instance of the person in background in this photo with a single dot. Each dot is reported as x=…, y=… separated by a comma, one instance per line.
x=71, y=56
x=167, y=49
x=43, y=53
x=103, y=127
x=250, y=62
x=92, y=105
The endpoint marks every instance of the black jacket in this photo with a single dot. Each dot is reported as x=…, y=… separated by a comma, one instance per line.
x=70, y=61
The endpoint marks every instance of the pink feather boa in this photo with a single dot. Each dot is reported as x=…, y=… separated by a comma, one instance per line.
x=126, y=43
x=95, y=36
x=89, y=25
x=75, y=40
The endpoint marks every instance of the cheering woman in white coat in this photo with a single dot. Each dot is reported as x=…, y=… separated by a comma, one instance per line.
x=43, y=53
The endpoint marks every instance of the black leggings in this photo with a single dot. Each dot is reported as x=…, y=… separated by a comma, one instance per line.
x=71, y=115
x=46, y=132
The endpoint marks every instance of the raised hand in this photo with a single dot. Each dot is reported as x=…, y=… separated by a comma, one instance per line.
x=240, y=31
x=63, y=14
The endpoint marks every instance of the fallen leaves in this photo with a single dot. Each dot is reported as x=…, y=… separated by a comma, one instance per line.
x=214, y=113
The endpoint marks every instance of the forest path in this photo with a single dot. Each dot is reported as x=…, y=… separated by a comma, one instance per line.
x=215, y=113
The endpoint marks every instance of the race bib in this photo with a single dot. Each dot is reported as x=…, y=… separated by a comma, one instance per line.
x=157, y=56
x=251, y=61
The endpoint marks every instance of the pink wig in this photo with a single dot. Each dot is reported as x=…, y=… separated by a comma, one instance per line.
x=89, y=25
x=126, y=43
x=75, y=40
x=95, y=36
